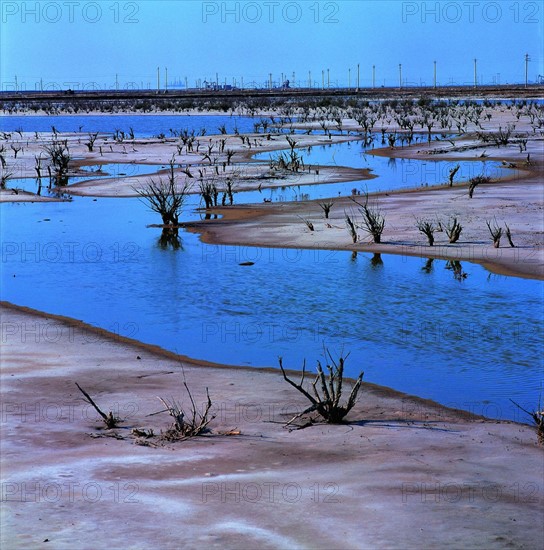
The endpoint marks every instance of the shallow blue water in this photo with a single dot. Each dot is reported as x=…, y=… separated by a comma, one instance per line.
x=113, y=170
x=392, y=173
x=471, y=344
x=143, y=125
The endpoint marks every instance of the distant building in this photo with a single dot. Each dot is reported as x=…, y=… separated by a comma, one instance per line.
x=217, y=87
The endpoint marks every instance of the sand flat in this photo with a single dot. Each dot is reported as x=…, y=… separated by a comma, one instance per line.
x=404, y=472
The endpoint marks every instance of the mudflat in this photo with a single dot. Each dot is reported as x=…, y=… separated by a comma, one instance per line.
x=402, y=472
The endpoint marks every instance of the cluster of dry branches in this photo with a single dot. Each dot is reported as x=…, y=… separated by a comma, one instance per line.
x=326, y=390
x=187, y=425
x=164, y=196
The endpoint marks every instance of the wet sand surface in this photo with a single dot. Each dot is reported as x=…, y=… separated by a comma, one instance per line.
x=403, y=472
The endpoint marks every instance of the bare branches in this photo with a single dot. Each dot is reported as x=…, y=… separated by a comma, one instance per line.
x=292, y=143
x=59, y=156
x=538, y=419
x=326, y=389
x=5, y=176
x=110, y=420
x=38, y=165
x=496, y=232
x=502, y=137
x=474, y=182
x=509, y=237
x=229, y=185
x=291, y=161
x=15, y=150
x=164, y=197
x=90, y=143
x=352, y=228
x=452, y=173
x=167, y=199
x=308, y=223
x=187, y=425
x=453, y=230
x=230, y=153
x=373, y=220
x=427, y=228
x=326, y=207
x=209, y=192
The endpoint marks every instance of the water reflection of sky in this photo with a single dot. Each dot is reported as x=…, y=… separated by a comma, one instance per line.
x=473, y=342
x=409, y=325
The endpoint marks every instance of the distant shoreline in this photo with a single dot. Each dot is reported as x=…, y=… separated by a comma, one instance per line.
x=500, y=91
x=224, y=102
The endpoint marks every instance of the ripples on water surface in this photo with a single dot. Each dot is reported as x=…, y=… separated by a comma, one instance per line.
x=472, y=344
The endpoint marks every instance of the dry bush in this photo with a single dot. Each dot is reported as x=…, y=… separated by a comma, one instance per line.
x=453, y=230
x=452, y=173
x=326, y=398
x=496, y=232
x=187, y=425
x=326, y=207
x=428, y=229
x=59, y=156
x=308, y=223
x=164, y=197
x=474, y=182
x=538, y=420
x=90, y=143
x=373, y=220
x=5, y=176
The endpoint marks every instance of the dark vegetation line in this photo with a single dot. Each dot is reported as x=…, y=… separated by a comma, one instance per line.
x=108, y=101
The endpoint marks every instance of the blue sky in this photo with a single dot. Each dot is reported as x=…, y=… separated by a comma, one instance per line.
x=80, y=44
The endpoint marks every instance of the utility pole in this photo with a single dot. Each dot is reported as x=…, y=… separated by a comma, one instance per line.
x=328, y=79
x=358, y=75
x=475, y=73
x=349, y=78
x=186, y=84
x=116, y=81
x=217, y=81
x=269, y=81
x=400, y=75
x=166, y=79
x=373, y=76
x=322, y=79
x=435, y=74
x=527, y=59
x=158, y=79
x=310, y=79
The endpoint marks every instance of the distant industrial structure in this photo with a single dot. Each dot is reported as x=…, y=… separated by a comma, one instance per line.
x=215, y=87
